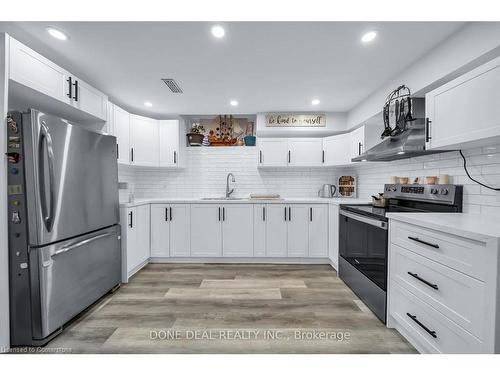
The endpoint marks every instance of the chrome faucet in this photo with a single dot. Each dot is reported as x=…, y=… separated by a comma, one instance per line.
x=229, y=192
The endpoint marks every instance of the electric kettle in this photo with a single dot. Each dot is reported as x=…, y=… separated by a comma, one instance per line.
x=327, y=191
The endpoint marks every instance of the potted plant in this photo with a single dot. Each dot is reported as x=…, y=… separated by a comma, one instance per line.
x=196, y=135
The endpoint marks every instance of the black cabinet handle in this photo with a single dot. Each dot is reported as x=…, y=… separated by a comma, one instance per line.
x=260, y=157
x=131, y=219
x=433, y=286
x=359, y=148
x=416, y=239
x=323, y=157
x=175, y=157
x=219, y=213
x=310, y=214
x=428, y=130
x=289, y=156
x=166, y=214
x=70, y=88
x=170, y=214
x=223, y=213
x=264, y=213
x=132, y=153
x=76, y=90
x=414, y=318
x=117, y=152
x=289, y=213
x=285, y=213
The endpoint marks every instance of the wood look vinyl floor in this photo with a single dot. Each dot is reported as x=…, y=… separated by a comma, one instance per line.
x=230, y=308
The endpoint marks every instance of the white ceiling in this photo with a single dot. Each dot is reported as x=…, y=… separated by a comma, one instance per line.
x=266, y=66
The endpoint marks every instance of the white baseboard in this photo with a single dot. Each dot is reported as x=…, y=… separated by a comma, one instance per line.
x=242, y=260
x=135, y=270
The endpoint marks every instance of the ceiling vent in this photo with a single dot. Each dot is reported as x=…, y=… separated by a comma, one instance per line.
x=172, y=85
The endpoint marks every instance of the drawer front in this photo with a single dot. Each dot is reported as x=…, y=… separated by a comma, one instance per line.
x=457, y=296
x=428, y=328
x=463, y=255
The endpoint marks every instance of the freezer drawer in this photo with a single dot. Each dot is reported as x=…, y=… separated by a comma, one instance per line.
x=69, y=276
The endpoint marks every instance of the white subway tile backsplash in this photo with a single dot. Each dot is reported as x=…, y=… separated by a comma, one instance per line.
x=206, y=169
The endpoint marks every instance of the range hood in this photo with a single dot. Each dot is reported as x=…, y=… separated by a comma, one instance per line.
x=408, y=144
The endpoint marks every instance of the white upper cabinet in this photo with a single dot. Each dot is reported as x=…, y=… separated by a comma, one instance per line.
x=356, y=142
x=31, y=69
x=273, y=152
x=465, y=111
x=121, y=130
x=34, y=71
x=169, y=143
x=305, y=152
x=336, y=150
x=144, y=145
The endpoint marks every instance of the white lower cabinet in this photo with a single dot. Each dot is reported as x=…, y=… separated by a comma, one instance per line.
x=259, y=230
x=237, y=230
x=206, y=230
x=318, y=231
x=170, y=230
x=135, y=223
x=298, y=230
x=276, y=230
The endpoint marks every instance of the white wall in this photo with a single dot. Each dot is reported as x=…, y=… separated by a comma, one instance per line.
x=336, y=122
x=4, y=258
x=205, y=175
x=471, y=46
x=482, y=163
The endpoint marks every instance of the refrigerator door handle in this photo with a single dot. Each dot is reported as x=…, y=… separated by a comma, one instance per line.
x=47, y=212
x=81, y=243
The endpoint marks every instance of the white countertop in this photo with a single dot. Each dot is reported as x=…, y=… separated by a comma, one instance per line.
x=473, y=226
x=335, y=201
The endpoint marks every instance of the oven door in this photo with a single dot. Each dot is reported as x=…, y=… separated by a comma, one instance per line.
x=363, y=244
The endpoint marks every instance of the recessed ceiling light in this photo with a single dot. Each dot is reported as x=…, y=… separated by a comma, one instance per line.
x=315, y=102
x=148, y=104
x=234, y=103
x=218, y=31
x=369, y=36
x=58, y=34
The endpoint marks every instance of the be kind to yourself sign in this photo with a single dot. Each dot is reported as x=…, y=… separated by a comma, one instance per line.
x=284, y=120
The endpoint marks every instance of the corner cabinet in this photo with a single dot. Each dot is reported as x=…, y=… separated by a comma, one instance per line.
x=336, y=150
x=305, y=152
x=121, y=130
x=465, y=111
x=35, y=72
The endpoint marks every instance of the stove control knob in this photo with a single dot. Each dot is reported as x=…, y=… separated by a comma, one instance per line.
x=444, y=191
x=434, y=191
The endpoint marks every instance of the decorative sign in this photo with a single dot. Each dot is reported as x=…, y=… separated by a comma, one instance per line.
x=291, y=120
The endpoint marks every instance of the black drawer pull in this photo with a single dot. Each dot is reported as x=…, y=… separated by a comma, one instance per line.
x=166, y=214
x=430, y=332
x=264, y=213
x=416, y=239
x=433, y=286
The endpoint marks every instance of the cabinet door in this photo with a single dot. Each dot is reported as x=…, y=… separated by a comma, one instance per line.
x=121, y=130
x=144, y=141
x=169, y=143
x=88, y=99
x=336, y=150
x=357, y=142
x=333, y=235
x=298, y=230
x=465, y=111
x=143, y=233
x=206, y=230
x=237, y=230
x=273, y=152
x=132, y=255
x=259, y=230
x=306, y=152
x=276, y=230
x=318, y=230
x=160, y=230
x=31, y=69
x=180, y=241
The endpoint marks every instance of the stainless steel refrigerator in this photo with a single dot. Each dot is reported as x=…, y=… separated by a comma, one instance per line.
x=64, y=236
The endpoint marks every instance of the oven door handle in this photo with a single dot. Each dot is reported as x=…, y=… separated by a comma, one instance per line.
x=376, y=223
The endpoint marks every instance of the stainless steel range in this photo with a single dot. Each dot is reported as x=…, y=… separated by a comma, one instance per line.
x=363, y=236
